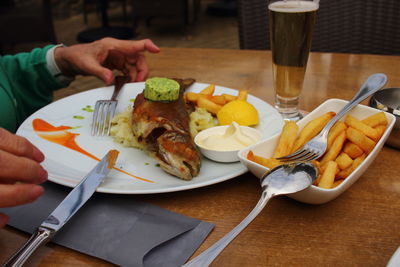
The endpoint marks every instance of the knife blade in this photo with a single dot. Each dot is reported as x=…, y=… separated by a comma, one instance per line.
x=66, y=209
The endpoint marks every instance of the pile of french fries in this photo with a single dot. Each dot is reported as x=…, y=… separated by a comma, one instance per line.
x=349, y=143
x=213, y=103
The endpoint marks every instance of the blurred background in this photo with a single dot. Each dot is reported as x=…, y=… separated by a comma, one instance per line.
x=25, y=24
x=357, y=26
x=343, y=26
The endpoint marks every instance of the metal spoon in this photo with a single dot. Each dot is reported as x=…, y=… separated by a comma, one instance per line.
x=281, y=180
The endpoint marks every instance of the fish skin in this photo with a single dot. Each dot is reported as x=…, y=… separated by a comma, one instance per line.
x=163, y=129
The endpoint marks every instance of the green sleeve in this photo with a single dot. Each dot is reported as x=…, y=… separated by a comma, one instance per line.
x=27, y=82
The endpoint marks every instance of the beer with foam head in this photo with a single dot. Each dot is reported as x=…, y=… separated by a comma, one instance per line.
x=291, y=28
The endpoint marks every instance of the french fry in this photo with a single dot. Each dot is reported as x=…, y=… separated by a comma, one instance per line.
x=192, y=97
x=352, y=150
x=242, y=95
x=376, y=119
x=286, y=140
x=229, y=98
x=337, y=182
x=318, y=165
x=335, y=131
x=210, y=106
x=217, y=99
x=316, y=182
x=328, y=177
x=361, y=126
x=250, y=156
x=209, y=90
x=267, y=162
x=349, y=143
x=344, y=161
x=312, y=129
x=360, y=139
x=380, y=130
x=332, y=153
x=346, y=172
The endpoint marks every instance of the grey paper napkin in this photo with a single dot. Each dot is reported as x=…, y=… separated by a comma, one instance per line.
x=117, y=228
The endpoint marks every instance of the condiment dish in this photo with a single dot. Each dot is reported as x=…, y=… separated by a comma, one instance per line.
x=314, y=194
x=228, y=155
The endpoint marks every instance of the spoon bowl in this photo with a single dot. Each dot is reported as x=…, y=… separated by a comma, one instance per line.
x=285, y=179
x=289, y=178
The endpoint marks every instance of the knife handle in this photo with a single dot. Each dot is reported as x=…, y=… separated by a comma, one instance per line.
x=41, y=236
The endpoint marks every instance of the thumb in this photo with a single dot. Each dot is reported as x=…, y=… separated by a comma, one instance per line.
x=103, y=73
x=106, y=76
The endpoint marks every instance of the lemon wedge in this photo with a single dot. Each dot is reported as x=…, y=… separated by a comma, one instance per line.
x=239, y=111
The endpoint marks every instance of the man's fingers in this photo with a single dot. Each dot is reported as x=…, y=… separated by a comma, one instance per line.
x=135, y=46
x=20, y=169
x=142, y=68
x=19, y=146
x=100, y=58
x=132, y=72
x=93, y=67
x=3, y=220
x=150, y=46
x=18, y=194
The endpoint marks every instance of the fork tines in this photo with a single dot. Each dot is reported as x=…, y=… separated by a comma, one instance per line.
x=313, y=149
x=300, y=155
x=103, y=113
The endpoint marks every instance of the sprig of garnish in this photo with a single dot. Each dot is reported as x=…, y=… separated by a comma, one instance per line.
x=78, y=117
x=88, y=108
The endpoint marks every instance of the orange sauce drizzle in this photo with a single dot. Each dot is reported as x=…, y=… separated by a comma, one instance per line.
x=43, y=126
x=60, y=136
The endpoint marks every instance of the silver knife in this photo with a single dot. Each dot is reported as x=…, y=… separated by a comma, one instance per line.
x=66, y=209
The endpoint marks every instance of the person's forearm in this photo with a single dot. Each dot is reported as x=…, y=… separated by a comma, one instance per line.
x=27, y=79
x=61, y=59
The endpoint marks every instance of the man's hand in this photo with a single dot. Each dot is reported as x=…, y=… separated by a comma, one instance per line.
x=101, y=57
x=20, y=172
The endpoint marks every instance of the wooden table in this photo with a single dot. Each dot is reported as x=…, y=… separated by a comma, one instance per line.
x=359, y=228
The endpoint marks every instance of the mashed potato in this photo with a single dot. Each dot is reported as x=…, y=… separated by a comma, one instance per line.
x=121, y=129
x=200, y=119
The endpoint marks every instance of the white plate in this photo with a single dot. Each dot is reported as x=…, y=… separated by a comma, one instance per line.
x=314, y=194
x=395, y=259
x=67, y=167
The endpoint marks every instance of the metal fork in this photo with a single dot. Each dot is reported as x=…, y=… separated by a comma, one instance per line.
x=104, y=110
x=316, y=147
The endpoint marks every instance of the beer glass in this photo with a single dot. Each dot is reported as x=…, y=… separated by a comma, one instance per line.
x=291, y=25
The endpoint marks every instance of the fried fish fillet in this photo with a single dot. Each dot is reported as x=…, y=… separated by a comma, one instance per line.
x=163, y=129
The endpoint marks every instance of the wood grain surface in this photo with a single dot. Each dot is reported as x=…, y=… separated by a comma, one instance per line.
x=359, y=228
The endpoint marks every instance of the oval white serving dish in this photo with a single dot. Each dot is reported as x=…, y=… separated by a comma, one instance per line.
x=314, y=194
